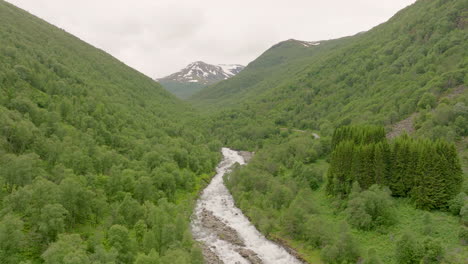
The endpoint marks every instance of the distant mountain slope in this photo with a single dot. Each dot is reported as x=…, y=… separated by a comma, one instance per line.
x=94, y=156
x=380, y=76
x=196, y=76
x=272, y=68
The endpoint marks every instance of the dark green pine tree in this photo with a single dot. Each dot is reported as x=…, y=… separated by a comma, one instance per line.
x=358, y=170
x=426, y=174
x=382, y=163
x=453, y=170
x=340, y=171
x=368, y=177
x=411, y=166
x=401, y=161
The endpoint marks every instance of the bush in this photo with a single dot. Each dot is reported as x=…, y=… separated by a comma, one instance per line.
x=456, y=204
x=433, y=251
x=372, y=257
x=343, y=250
x=370, y=208
x=408, y=251
x=464, y=214
x=463, y=235
x=428, y=100
x=317, y=232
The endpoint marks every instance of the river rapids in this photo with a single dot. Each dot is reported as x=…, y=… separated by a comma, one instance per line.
x=223, y=229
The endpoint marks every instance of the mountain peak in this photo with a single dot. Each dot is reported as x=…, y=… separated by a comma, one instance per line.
x=304, y=43
x=204, y=73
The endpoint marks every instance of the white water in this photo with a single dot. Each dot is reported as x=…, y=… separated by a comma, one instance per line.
x=217, y=199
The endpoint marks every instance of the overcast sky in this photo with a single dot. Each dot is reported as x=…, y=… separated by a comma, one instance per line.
x=159, y=37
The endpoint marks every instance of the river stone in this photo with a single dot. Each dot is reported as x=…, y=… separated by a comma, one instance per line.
x=223, y=231
x=249, y=255
x=209, y=256
x=246, y=155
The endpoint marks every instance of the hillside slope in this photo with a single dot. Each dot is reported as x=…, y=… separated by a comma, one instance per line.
x=272, y=68
x=407, y=74
x=412, y=63
x=99, y=164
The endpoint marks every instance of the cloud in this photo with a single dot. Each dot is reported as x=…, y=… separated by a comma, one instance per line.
x=159, y=37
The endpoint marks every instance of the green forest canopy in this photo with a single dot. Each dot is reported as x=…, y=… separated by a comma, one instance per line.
x=99, y=164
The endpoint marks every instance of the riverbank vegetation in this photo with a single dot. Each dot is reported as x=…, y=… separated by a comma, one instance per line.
x=285, y=192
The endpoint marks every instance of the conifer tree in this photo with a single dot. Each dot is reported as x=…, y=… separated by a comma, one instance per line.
x=400, y=182
x=340, y=171
x=382, y=163
x=368, y=178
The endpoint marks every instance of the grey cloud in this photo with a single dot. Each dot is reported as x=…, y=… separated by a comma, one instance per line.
x=158, y=37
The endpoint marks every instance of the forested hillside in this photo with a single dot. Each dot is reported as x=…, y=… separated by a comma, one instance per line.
x=182, y=90
x=416, y=62
x=358, y=194
x=98, y=164
x=363, y=206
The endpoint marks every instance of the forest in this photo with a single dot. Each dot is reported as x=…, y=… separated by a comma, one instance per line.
x=378, y=194
x=427, y=171
x=362, y=201
x=98, y=163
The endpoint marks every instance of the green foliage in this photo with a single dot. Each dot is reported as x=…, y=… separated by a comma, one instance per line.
x=182, y=90
x=464, y=215
x=151, y=258
x=407, y=250
x=427, y=101
x=359, y=135
x=68, y=249
x=433, y=251
x=463, y=235
x=12, y=239
x=371, y=208
x=120, y=240
x=343, y=250
x=372, y=257
x=429, y=172
x=280, y=204
x=411, y=63
x=52, y=221
x=88, y=145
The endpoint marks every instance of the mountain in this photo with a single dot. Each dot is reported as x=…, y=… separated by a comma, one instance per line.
x=410, y=73
x=196, y=76
x=95, y=157
x=204, y=73
x=381, y=76
x=269, y=70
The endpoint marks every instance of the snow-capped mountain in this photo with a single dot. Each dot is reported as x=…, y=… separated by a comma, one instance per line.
x=203, y=73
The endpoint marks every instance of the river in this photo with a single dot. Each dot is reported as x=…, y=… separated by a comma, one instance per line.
x=216, y=201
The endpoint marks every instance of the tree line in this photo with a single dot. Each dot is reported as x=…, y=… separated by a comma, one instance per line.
x=427, y=171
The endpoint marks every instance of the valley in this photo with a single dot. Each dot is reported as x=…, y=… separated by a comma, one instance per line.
x=347, y=150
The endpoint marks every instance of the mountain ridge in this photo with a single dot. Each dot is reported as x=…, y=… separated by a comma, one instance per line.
x=204, y=73
x=196, y=76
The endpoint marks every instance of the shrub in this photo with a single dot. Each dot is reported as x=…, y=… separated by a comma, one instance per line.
x=464, y=214
x=433, y=251
x=343, y=250
x=456, y=204
x=463, y=235
x=370, y=208
x=408, y=251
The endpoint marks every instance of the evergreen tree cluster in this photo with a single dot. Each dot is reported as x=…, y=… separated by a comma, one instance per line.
x=358, y=134
x=427, y=171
